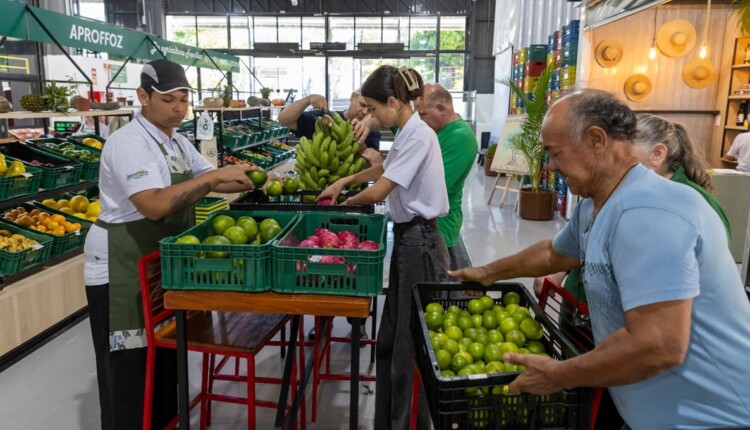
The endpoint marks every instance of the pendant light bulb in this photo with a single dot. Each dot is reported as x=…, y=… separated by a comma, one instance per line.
x=652, y=53
x=703, y=53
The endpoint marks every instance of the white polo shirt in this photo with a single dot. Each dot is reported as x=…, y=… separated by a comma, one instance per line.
x=415, y=164
x=132, y=162
x=741, y=150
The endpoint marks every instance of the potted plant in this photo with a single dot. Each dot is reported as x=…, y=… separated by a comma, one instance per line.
x=743, y=15
x=227, y=95
x=489, y=154
x=56, y=97
x=536, y=202
x=78, y=102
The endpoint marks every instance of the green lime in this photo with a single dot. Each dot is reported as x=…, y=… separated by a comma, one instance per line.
x=221, y=223
x=258, y=177
x=274, y=188
x=511, y=297
x=290, y=185
x=236, y=235
x=434, y=307
x=188, y=239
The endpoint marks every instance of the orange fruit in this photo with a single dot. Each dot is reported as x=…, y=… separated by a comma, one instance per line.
x=72, y=226
x=41, y=228
x=53, y=225
x=58, y=218
x=44, y=221
x=59, y=231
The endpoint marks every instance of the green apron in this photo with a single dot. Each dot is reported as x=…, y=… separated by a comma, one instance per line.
x=129, y=241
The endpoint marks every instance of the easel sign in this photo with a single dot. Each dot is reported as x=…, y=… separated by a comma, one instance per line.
x=508, y=161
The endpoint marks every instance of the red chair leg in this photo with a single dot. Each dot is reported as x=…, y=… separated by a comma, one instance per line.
x=316, y=371
x=596, y=401
x=301, y=373
x=204, y=388
x=148, y=395
x=251, y=392
x=211, y=365
x=416, y=382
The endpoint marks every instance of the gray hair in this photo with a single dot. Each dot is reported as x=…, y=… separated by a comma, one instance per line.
x=439, y=95
x=589, y=108
x=681, y=148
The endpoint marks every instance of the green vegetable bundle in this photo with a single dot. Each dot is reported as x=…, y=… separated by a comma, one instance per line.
x=330, y=155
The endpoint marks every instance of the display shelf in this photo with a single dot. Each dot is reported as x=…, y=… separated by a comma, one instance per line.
x=738, y=78
x=5, y=280
x=252, y=145
x=747, y=97
x=223, y=109
x=736, y=128
x=741, y=66
x=47, y=193
x=42, y=115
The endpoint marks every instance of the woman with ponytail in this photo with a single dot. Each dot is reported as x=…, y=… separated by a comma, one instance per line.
x=667, y=148
x=411, y=180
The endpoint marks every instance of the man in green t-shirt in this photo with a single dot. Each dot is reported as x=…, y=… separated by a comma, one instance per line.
x=458, y=146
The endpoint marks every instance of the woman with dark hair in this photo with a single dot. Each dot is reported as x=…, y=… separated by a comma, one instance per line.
x=411, y=180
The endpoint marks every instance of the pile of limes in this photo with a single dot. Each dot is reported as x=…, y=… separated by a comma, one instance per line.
x=473, y=341
x=228, y=231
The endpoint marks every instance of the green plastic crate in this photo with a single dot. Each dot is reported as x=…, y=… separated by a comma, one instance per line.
x=15, y=186
x=90, y=169
x=246, y=267
x=60, y=244
x=13, y=262
x=64, y=172
x=208, y=205
x=300, y=270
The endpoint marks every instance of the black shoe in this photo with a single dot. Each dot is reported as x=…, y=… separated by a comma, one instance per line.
x=311, y=334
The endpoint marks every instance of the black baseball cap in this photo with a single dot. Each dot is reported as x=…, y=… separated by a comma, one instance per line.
x=164, y=76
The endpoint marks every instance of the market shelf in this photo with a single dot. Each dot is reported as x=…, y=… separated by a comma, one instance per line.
x=5, y=280
x=251, y=145
x=223, y=109
x=742, y=97
x=15, y=201
x=736, y=127
x=741, y=66
x=38, y=115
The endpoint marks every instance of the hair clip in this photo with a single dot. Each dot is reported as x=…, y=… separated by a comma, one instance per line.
x=408, y=74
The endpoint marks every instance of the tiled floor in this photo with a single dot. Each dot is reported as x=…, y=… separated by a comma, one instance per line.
x=55, y=387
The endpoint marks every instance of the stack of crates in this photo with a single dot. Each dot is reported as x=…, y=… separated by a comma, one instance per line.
x=569, y=57
x=553, y=48
x=536, y=62
x=207, y=206
x=519, y=72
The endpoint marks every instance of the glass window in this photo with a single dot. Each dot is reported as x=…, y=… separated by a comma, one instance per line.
x=212, y=32
x=313, y=30
x=212, y=82
x=452, y=32
x=396, y=29
x=265, y=29
x=313, y=77
x=93, y=10
x=239, y=30
x=423, y=33
x=181, y=29
x=341, y=83
x=290, y=29
x=368, y=30
x=425, y=66
x=342, y=30
x=451, y=72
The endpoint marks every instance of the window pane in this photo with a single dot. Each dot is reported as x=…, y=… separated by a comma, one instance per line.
x=451, y=72
x=342, y=30
x=313, y=30
x=267, y=71
x=313, y=77
x=289, y=29
x=368, y=30
x=396, y=30
x=265, y=29
x=212, y=82
x=239, y=30
x=212, y=32
x=93, y=10
x=181, y=29
x=452, y=32
x=423, y=33
x=243, y=80
x=425, y=67
x=342, y=83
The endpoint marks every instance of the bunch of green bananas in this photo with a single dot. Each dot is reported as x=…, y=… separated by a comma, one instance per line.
x=330, y=155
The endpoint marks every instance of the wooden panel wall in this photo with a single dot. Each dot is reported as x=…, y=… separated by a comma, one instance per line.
x=635, y=33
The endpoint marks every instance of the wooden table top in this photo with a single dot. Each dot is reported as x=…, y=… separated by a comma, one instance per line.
x=269, y=302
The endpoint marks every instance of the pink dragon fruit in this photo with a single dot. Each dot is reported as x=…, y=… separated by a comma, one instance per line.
x=369, y=245
x=320, y=231
x=325, y=201
x=328, y=240
x=308, y=243
x=314, y=239
x=348, y=239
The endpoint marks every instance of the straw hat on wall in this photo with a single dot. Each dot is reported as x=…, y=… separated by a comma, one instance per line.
x=608, y=53
x=676, y=38
x=637, y=87
x=698, y=73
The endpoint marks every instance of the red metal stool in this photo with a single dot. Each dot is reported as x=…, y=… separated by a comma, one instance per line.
x=227, y=334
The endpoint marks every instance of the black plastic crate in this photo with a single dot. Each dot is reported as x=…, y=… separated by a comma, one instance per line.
x=257, y=200
x=451, y=405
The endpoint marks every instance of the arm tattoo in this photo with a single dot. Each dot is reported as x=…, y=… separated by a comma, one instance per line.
x=189, y=197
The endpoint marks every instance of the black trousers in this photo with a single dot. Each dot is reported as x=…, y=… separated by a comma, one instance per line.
x=419, y=255
x=121, y=375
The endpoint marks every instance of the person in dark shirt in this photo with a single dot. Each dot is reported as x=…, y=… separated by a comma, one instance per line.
x=302, y=122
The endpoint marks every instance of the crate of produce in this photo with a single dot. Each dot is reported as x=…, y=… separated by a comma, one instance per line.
x=208, y=205
x=187, y=265
x=92, y=140
x=56, y=171
x=460, y=395
x=258, y=200
x=87, y=155
x=231, y=137
x=355, y=270
x=19, y=184
x=255, y=158
x=67, y=232
x=14, y=261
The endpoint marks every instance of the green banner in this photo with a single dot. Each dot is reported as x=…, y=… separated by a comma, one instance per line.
x=96, y=36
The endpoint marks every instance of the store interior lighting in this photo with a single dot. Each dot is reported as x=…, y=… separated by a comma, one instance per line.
x=653, y=52
x=703, y=53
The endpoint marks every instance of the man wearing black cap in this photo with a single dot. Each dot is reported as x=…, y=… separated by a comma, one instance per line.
x=150, y=178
